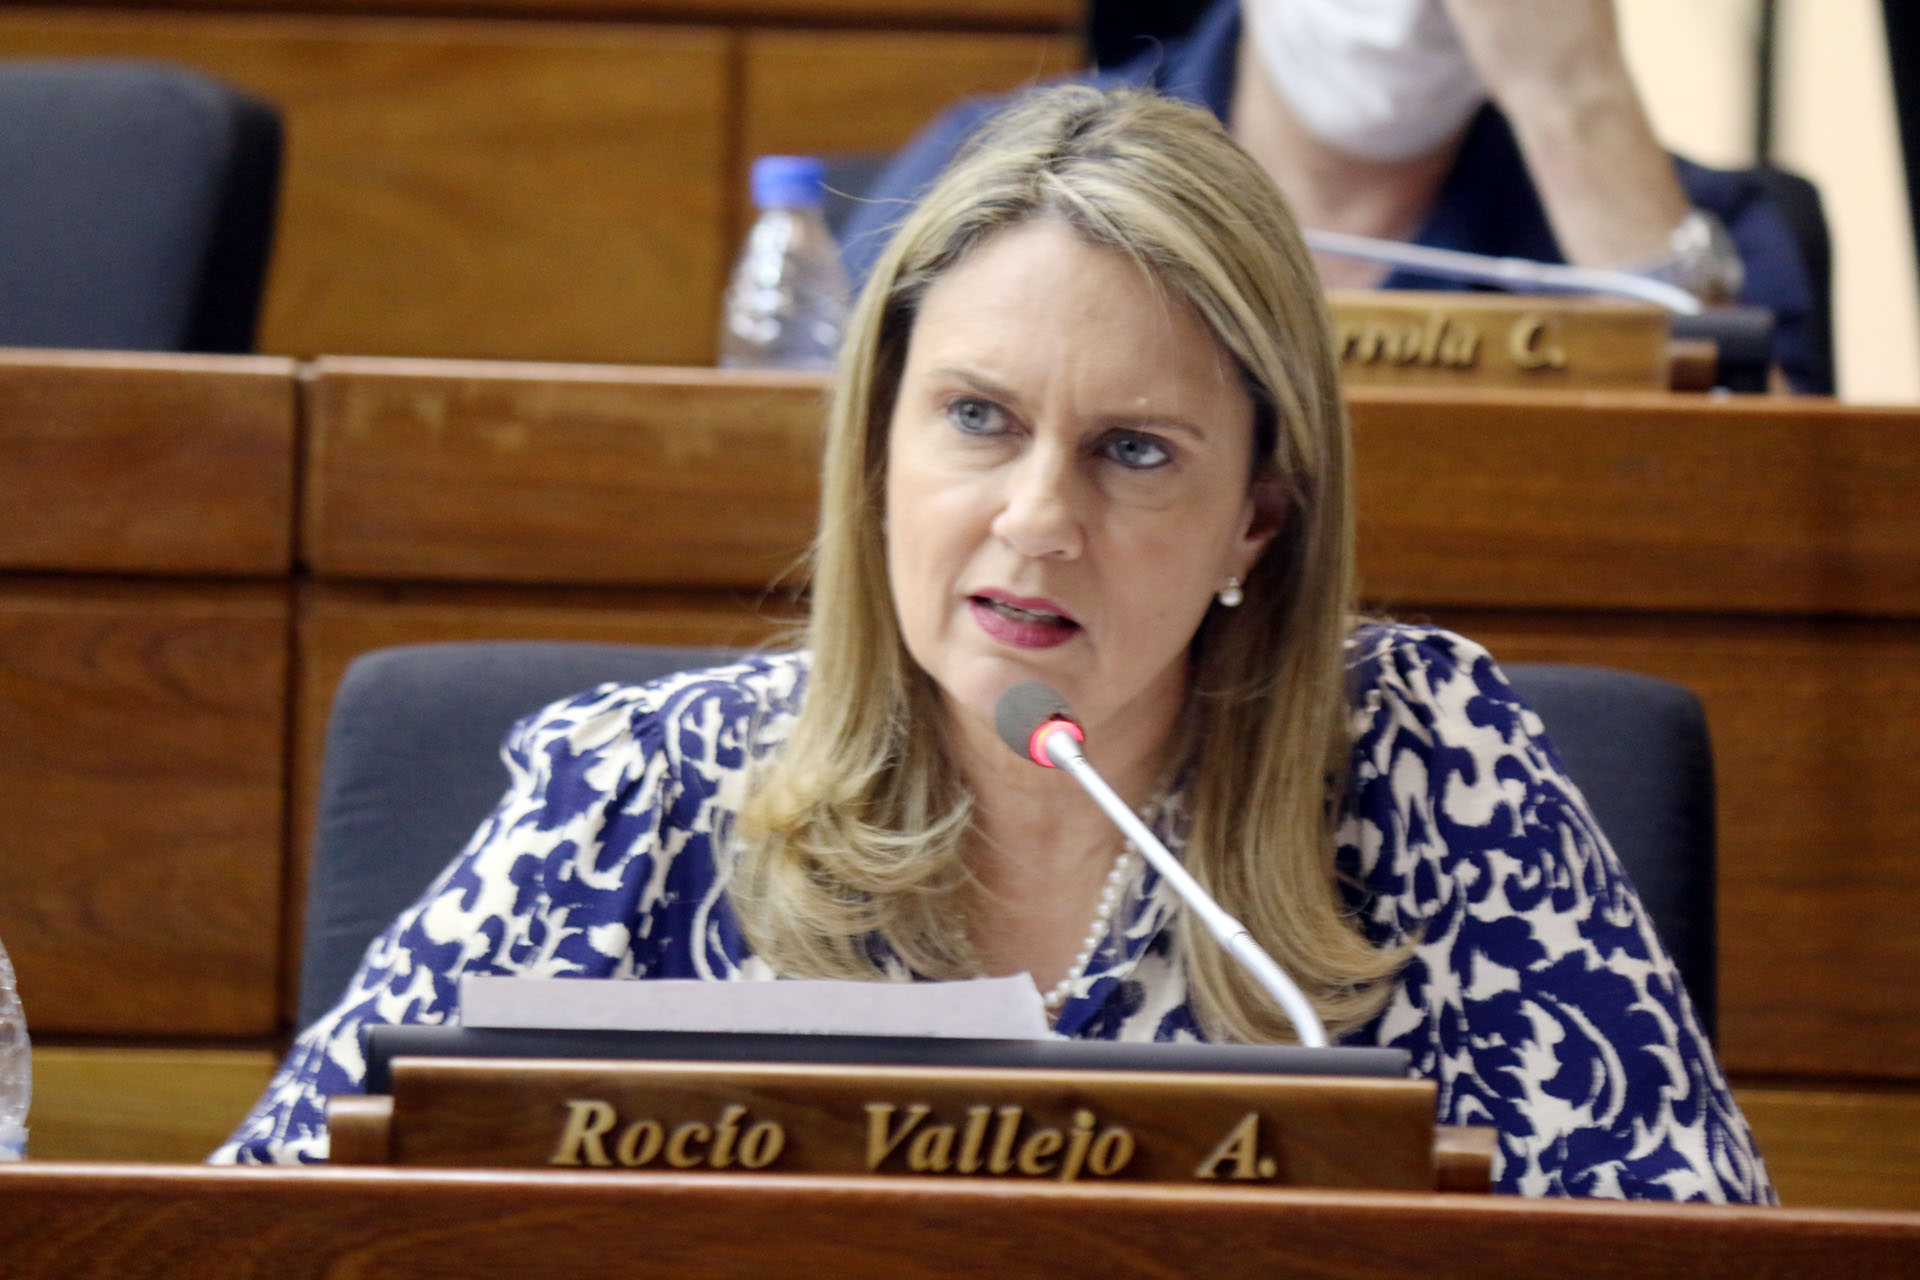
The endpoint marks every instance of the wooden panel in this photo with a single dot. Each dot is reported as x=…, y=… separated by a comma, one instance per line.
x=338, y=624
x=505, y=189
x=1057, y=15
x=141, y=464
x=144, y=738
x=1816, y=725
x=1653, y=503
x=131, y=1221
x=464, y=472
x=1839, y=1150
x=1637, y=502
x=163, y=1105
x=819, y=91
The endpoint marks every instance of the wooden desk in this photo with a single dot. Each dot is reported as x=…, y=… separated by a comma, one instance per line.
x=1640, y=503
x=144, y=610
x=1763, y=552
x=142, y=464
x=134, y=1222
x=549, y=475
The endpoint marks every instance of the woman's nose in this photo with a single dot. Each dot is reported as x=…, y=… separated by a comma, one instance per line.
x=1040, y=514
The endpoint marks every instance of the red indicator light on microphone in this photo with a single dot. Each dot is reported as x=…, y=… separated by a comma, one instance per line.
x=1037, y=744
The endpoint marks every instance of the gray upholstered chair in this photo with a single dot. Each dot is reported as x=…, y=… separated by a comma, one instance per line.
x=412, y=767
x=1638, y=749
x=137, y=207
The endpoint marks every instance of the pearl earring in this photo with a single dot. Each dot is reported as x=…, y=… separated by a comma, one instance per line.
x=1230, y=595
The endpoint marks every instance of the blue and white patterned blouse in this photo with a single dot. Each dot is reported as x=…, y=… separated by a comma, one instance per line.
x=1537, y=996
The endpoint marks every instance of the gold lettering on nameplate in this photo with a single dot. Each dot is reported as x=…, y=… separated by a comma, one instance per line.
x=1530, y=347
x=1438, y=342
x=588, y=1121
x=932, y=1149
x=1036, y=1153
x=679, y=1140
x=639, y=1143
x=692, y=1145
x=1001, y=1161
x=973, y=1138
x=1241, y=1148
x=882, y=1137
x=994, y=1141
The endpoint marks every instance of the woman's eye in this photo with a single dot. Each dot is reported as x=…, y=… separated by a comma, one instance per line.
x=973, y=416
x=1138, y=452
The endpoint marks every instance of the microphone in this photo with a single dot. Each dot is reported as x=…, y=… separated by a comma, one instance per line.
x=1034, y=721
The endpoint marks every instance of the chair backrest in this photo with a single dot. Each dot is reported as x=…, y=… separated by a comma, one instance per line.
x=1638, y=749
x=412, y=767
x=136, y=207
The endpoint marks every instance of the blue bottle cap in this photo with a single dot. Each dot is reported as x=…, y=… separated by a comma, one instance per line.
x=788, y=182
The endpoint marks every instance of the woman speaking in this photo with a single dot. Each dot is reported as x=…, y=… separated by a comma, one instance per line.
x=1087, y=430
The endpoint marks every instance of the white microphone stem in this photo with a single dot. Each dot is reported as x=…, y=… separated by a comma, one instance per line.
x=1066, y=753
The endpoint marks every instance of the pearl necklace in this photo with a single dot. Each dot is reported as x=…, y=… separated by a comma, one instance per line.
x=1096, y=932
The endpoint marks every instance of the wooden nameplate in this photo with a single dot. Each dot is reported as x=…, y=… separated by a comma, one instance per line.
x=1481, y=340
x=1011, y=1124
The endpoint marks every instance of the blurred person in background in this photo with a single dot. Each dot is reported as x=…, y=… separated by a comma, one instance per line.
x=1509, y=128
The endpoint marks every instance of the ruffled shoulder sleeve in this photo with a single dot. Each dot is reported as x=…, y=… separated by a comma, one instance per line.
x=599, y=861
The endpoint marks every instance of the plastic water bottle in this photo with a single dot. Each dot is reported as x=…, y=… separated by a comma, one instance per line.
x=16, y=1066
x=787, y=301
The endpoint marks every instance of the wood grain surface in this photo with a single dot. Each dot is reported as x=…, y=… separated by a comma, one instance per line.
x=120, y=463
x=1573, y=501
x=360, y=1129
x=1857, y=1149
x=439, y=470
x=453, y=187
x=1637, y=503
x=999, y=15
x=165, y=1105
x=870, y=91
x=132, y=1222
x=143, y=729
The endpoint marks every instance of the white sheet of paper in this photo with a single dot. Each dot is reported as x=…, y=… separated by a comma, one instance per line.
x=985, y=1008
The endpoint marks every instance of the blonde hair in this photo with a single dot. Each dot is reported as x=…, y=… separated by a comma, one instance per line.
x=855, y=832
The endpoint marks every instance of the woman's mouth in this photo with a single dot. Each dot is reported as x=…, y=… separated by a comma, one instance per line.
x=1022, y=623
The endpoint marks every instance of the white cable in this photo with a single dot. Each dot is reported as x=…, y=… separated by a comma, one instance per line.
x=1520, y=274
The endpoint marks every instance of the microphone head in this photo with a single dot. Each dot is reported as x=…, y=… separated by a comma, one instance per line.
x=1024, y=711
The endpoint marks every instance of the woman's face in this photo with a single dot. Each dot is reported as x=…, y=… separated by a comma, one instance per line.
x=1067, y=482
